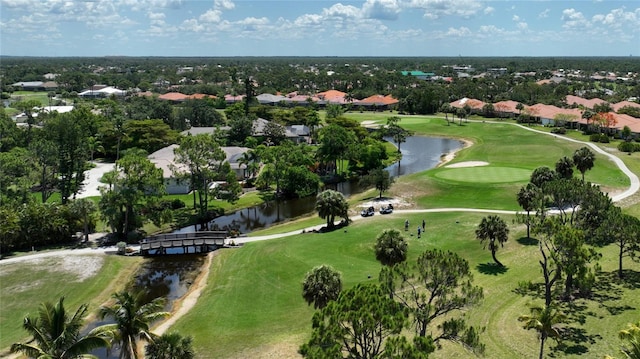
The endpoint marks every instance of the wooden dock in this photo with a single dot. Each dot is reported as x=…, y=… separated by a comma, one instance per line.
x=201, y=242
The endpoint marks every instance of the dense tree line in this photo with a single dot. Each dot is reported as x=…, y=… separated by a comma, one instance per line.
x=359, y=77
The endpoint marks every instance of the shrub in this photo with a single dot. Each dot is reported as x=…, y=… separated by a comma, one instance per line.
x=595, y=137
x=559, y=130
x=177, y=204
x=629, y=147
x=604, y=138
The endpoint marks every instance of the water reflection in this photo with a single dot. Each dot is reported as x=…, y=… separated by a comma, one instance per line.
x=418, y=154
x=166, y=276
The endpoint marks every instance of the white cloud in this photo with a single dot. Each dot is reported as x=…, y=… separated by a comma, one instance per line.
x=342, y=11
x=211, y=16
x=192, y=25
x=515, y=18
x=308, y=20
x=145, y=5
x=224, y=4
x=574, y=19
x=544, y=14
x=618, y=18
x=522, y=25
x=489, y=10
x=434, y=9
x=459, y=32
x=156, y=16
x=381, y=9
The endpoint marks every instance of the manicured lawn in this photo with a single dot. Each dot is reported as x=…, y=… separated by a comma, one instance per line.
x=40, y=96
x=485, y=174
x=253, y=301
x=83, y=279
x=253, y=304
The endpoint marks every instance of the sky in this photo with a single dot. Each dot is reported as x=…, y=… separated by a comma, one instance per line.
x=385, y=28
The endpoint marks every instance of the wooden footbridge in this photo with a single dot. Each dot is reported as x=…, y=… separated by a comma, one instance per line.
x=200, y=242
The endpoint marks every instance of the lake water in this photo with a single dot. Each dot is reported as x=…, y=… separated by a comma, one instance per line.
x=418, y=154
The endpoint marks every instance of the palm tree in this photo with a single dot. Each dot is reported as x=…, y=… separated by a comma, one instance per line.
x=57, y=336
x=529, y=198
x=583, y=158
x=390, y=247
x=564, y=167
x=133, y=319
x=632, y=336
x=169, y=346
x=321, y=285
x=330, y=204
x=494, y=229
x=85, y=210
x=446, y=108
x=94, y=145
x=545, y=321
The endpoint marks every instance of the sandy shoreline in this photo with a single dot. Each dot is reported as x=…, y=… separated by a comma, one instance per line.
x=448, y=157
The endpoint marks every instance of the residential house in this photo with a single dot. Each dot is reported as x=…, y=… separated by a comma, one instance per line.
x=378, y=102
x=101, y=91
x=164, y=159
x=579, y=101
x=475, y=105
x=175, y=97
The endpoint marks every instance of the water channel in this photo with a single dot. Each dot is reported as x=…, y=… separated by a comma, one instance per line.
x=418, y=154
x=170, y=276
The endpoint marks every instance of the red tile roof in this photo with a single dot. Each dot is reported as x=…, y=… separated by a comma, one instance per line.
x=619, y=105
x=173, y=96
x=473, y=103
x=200, y=96
x=378, y=100
x=626, y=120
x=571, y=100
x=333, y=96
x=506, y=106
x=550, y=111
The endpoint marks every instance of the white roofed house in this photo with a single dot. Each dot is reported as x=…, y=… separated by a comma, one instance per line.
x=101, y=91
x=164, y=159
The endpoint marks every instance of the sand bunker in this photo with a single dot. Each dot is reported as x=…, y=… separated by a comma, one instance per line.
x=468, y=164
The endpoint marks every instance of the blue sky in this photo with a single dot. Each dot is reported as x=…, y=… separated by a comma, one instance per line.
x=319, y=28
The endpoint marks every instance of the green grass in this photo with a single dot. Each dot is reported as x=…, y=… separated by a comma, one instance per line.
x=26, y=285
x=253, y=299
x=41, y=96
x=252, y=305
x=490, y=174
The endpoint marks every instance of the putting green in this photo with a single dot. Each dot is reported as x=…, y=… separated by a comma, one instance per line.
x=485, y=174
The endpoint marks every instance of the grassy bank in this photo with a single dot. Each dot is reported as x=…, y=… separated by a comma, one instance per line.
x=253, y=305
x=82, y=279
x=254, y=308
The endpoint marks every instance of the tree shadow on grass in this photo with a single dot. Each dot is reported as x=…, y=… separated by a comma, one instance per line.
x=630, y=279
x=491, y=268
x=575, y=341
x=527, y=241
x=607, y=290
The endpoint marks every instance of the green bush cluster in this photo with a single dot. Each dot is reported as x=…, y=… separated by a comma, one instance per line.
x=599, y=137
x=629, y=147
x=559, y=130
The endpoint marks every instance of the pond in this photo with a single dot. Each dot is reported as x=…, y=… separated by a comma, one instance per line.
x=167, y=276
x=170, y=276
x=419, y=154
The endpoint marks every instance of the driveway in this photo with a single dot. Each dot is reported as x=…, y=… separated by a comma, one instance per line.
x=91, y=184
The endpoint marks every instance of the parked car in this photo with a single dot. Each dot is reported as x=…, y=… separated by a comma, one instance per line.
x=368, y=212
x=386, y=210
